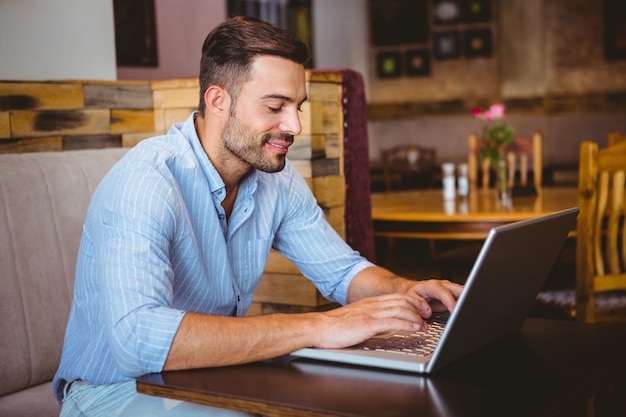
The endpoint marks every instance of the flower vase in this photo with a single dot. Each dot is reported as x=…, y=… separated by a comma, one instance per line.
x=503, y=190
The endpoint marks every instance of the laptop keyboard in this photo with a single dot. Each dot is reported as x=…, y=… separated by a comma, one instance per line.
x=409, y=343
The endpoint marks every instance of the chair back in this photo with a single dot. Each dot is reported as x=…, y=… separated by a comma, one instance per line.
x=615, y=137
x=407, y=166
x=601, y=227
x=519, y=152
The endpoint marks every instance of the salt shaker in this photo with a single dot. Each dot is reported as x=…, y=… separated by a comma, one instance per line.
x=449, y=188
x=462, y=181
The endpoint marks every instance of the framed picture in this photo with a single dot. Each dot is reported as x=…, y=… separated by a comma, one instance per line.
x=476, y=11
x=388, y=64
x=477, y=43
x=417, y=62
x=398, y=22
x=447, y=45
x=615, y=30
x=446, y=12
x=135, y=33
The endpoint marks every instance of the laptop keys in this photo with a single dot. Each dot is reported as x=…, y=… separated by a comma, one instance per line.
x=408, y=343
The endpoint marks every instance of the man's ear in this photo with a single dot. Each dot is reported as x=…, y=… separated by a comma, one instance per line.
x=217, y=101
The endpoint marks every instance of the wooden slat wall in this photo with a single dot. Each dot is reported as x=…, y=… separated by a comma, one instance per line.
x=64, y=115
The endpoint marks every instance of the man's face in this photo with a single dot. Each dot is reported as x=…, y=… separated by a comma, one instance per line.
x=261, y=127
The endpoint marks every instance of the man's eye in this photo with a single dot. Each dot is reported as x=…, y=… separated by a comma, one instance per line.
x=275, y=109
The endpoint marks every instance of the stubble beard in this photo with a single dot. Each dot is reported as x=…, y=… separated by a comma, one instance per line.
x=241, y=141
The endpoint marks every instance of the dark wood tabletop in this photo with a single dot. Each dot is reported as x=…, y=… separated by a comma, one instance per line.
x=549, y=368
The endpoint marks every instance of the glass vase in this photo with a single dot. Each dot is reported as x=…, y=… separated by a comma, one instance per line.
x=503, y=188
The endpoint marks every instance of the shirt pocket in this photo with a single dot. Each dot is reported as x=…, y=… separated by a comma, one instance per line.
x=252, y=262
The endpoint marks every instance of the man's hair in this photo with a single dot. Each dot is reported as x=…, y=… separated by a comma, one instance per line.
x=230, y=48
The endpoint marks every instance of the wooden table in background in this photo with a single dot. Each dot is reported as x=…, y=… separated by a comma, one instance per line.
x=424, y=214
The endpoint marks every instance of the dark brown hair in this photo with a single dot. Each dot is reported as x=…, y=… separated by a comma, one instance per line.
x=231, y=47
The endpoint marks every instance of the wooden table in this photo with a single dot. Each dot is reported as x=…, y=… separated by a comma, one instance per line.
x=424, y=214
x=556, y=368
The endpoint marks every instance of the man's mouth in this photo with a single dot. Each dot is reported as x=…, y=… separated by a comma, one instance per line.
x=282, y=144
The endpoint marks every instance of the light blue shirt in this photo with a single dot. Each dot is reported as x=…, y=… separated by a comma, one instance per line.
x=156, y=244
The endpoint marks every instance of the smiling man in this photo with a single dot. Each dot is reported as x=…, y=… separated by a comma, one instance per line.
x=178, y=232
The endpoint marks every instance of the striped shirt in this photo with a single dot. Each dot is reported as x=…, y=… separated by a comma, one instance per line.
x=156, y=244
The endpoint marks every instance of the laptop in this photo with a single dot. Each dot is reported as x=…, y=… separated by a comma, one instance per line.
x=510, y=270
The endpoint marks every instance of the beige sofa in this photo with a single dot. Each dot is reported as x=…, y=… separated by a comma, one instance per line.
x=43, y=200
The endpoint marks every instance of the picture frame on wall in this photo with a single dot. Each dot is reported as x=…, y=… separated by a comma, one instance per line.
x=398, y=22
x=446, y=12
x=447, y=45
x=417, y=62
x=476, y=11
x=477, y=43
x=135, y=33
x=388, y=64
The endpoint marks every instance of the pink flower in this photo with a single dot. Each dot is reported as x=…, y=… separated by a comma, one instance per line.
x=496, y=111
x=476, y=112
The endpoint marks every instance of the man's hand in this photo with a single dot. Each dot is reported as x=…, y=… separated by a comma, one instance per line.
x=404, y=310
x=438, y=294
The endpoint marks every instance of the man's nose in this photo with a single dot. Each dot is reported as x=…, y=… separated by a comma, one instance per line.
x=291, y=123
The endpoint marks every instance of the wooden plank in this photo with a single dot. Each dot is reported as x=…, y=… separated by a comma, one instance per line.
x=176, y=83
x=118, y=96
x=128, y=120
x=323, y=76
x=303, y=167
x=5, y=127
x=335, y=216
x=177, y=98
x=594, y=103
x=323, y=91
x=277, y=263
x=271, y=308
x=330, y=191
x=159, y=121
x=291, y=289
x=301, y=148
x=173, y=116
x=312, y=118
x=332, y=115
x=91, y=142
x=318, y=146
x=49, y=144
x=131, y=139
x=325, y=167
x=40, y=96
x=333, y=148
x=58, y=122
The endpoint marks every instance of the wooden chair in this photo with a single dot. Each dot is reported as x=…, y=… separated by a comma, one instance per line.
x=522, y=149
x=615, y=137
x=407, y=166
x=601, y=230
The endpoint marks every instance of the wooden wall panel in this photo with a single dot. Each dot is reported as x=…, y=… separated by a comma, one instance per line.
x=118, y=96
x=40, y=95
x=25, y=124
x=91, y=142
x=129, y=120
x=5, y=128
x=56, y=116
x=49, y=144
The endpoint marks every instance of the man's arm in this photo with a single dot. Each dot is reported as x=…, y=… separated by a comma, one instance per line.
x=380, y=301
x=437, y=295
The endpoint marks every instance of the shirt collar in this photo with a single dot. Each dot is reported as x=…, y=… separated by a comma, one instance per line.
x=216, y=184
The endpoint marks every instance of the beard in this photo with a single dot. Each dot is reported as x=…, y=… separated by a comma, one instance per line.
x=249, y=146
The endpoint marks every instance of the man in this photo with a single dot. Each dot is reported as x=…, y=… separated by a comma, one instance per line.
x=177, y=235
